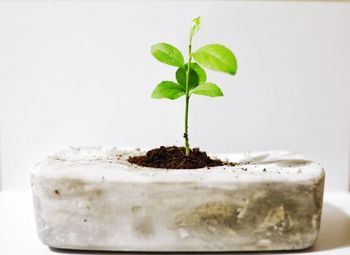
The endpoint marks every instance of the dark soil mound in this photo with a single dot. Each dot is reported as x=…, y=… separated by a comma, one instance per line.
x=175, y=158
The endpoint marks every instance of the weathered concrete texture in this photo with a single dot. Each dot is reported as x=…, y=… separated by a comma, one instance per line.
x=92, y=198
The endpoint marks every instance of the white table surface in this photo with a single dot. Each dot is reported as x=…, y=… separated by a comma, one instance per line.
x=18, y=234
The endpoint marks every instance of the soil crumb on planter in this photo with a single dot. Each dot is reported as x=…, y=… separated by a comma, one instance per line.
x=174, y=157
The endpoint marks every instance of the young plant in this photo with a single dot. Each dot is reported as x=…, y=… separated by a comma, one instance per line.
x=191, y=77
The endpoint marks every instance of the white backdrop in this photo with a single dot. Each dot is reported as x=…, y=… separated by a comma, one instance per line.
x=81, y=73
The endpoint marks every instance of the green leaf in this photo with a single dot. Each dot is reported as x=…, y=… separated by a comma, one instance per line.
x=216, y=57
x=208, y=89
x=197, y=76
x=202, y=76
x=195, y=25
x=168, y=89
x=181, y=77
x=167, y=54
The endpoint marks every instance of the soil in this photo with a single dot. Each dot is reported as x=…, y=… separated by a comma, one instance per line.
x=174, y=157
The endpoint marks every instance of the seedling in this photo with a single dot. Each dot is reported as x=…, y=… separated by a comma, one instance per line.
x=191, y=77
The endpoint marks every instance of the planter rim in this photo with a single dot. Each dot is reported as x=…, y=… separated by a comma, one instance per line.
x=112, y=165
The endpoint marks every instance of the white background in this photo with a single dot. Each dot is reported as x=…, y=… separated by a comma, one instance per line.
x=81, y=73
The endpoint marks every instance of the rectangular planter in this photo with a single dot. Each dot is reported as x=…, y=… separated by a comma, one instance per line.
x=93, y=199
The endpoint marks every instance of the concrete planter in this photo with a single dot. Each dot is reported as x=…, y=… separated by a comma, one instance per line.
x=93, y=199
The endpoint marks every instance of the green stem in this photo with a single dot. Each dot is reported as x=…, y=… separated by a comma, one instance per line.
x=187, y=145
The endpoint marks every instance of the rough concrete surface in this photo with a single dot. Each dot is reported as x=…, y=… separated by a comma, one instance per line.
x=93, y=199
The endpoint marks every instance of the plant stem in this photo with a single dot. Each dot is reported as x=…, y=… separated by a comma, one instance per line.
x=187, y=146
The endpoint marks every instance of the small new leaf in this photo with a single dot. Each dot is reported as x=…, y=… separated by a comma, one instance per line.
x=167, y=54
x=208, y=89
x=197, y=76
x=195, y=25
x=169, y=90
x=216, y=57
